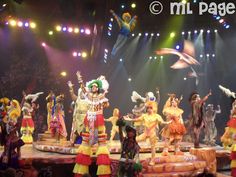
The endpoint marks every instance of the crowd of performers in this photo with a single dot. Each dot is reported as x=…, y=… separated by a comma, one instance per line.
x=88, y=126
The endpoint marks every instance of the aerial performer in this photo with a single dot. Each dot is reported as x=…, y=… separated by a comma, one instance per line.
x=173, y=132
x=27, y=125
x=79, y=113
x=196, y=117
x=126, y=24
x=94, y=92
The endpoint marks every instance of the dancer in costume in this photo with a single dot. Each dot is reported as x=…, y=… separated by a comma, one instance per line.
x=129, y=162
x=113, y=120
x=80, y=109
x=27, y=125
x=12, y=144
x=57, y=125
x=197, y=115
x=126, y=24
x=51, y=102
x=210, y=127
x=13, y=111
x=94, y=92
x=173, y=132
x=150, y=120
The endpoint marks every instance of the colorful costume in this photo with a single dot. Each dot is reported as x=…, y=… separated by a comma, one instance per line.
x=27, y=125
x=57, y=125
x=197, y=115
x=51, y=102
x=13, y=111
x=80, y=110
x=210, y=127
x=95, y=129
x=174, y=131
x=150, y=120
x=126, y=25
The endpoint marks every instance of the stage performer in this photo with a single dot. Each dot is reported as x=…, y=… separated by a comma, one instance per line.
x=196, y=118
x=51, y=102
x=173, y=132
x=27, y=125
x=12, y=144
x=79, y=113
x=126, y=24
x=13, y=111
x=57, y=125
x=150, y=120
x=113, y=120
x=95, y=92
x=129, y=164
x=210, y=127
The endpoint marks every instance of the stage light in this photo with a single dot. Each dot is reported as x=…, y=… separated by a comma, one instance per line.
x=201, y=30
x=106, y=50
x=195, y=31
x=227, y=26
x=152, y=34
x=155, y=57
x=121, y=59
x=133, y=5
x=87, y=31
x=215, y=31
x=84, y=55
x=12, y=22
x=63, y=74
x=79, y=54
x=58, y=28
x=74, y=54
x=207, y=55
x=208, y=31
x=183, y=33
x=43, y=44
x=133, y=34
x=146, y=34
x=32, y=25
x=177, y=47
x=26, y=24
x=189, y=32
x=185, y=78
x=172, y=34
x=112, y=19
x=82, y=30
x=194, y=1
x=221, y=20
x=129, y=79
x=64, y=29
x=213, y=55
x=4, y=5
x=50, y=33
x=70, y=29
x=158, y=34
x=201, y=56
x=217, y=17
x=140, y=34
x=150, y=58
x=162, y=57
x=20, y=24
x=122, y=6
x=184, y=1
x=76, y=30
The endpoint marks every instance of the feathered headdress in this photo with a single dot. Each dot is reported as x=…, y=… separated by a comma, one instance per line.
x=33, y=97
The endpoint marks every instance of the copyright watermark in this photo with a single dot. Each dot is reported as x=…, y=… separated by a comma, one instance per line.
x=180, y=8
x=156, y=7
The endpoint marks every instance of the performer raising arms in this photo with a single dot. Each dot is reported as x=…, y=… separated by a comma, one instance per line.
x=197, y=115
x=175, y=130
x=94, y=92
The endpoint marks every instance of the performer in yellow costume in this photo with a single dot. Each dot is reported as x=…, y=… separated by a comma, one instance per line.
x=175, y=130
x=150, y=120
x=51, y=101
